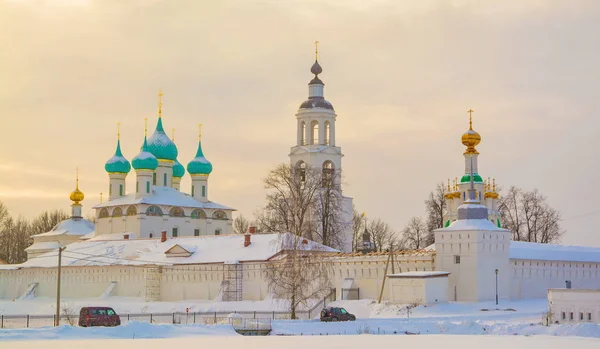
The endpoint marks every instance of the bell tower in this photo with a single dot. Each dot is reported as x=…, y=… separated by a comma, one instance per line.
x=316, y=148
x=315, y=140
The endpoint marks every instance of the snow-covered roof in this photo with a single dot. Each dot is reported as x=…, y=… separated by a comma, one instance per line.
x=71, y=226
x=163, y=196
x=206, y=249
x=551, y=252
x=114, y=236
x=472, y=224
x=50, y=245
x=419, y=274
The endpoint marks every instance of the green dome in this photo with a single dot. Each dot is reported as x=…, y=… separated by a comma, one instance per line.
x=117, y=163
x=199, y=164
x=145, y=160
x=160, y=145
x=178, y=169
x=467, y=178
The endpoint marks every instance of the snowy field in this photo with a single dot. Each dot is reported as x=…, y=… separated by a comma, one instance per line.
x=385, y=323
x=330, y=342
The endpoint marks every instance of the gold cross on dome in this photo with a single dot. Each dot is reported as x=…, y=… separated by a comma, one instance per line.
x=470, y=111
x=160, y=94
x=199, y=132
x=316, y=50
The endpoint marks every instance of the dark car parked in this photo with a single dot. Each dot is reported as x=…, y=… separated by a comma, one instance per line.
x=98, y=316
x=336, y=314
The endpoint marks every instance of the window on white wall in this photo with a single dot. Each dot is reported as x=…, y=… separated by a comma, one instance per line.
x=589, y=316
x=580, y=316
x=571, y=316
x=456, y=259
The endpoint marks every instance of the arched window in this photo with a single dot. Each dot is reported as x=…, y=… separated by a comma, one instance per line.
x=219, y=215
x=103, y=213
x=198, y=214
x=176, y=212
x=217, y=231
x=300, y=170
x=154, y=211
x=327, y=131
x=131, y=211
x=117, y=212
x=303, y=136
x=328, y=172
x=314, y=132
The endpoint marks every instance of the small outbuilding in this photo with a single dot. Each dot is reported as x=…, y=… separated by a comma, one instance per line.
x=422, y=287
x=566, y=305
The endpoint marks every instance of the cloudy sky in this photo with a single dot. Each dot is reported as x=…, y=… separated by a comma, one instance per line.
x=400, y=74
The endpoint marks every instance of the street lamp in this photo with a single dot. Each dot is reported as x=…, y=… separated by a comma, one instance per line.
x=496, y=286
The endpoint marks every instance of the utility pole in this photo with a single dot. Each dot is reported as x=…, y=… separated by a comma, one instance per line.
x=387, y=263
x=57, y=320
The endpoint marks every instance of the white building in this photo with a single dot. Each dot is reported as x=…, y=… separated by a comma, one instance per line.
x=157, y=204
x=567, y=305
x=316, y=146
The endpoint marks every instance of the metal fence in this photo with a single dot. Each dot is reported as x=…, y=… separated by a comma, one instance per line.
x=208, y=318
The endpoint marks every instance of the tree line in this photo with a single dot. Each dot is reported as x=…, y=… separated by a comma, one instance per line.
x=16, y=232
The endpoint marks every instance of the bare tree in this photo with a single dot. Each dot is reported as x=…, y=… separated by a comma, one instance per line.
x=435, y=206
x=241, y=225
x=358, y=227
x=300, y=274
x=305, y=202
x=47, y=220
x=529, y=217
x=415, y=234
x=382, y=235
x=328, y=209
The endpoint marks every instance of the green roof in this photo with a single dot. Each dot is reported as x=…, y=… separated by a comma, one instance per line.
x=199, y=164
x=117, y=163
x=467, y=178
x=145, y=160
x=160, y=145
x=178, y=169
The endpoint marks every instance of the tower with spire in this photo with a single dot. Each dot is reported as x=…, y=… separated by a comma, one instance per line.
x=117, y=167
x=200, y=168
x=457, y=191
x=316, y=146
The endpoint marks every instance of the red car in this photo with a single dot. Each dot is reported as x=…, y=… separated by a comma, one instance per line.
x=98, y=316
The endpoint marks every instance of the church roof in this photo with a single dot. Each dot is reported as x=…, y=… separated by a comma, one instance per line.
x=316, y=102
x=71, y=226
x=163, y=196
x=203, y=249
x=472, y=224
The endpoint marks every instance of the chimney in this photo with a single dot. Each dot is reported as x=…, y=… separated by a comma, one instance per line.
x=163, y=236
x=252, y=230
x=247, y=240
x=126, y=237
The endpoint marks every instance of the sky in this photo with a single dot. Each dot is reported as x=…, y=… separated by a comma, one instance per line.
x=400, y=74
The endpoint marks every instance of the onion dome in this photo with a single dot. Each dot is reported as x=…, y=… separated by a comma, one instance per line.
x=117, y=163
x=145, y=160
x=199, y=165
x=315, y=91
x=160, y=145
x=76, y=195
x=178, y=169
x=471, y=138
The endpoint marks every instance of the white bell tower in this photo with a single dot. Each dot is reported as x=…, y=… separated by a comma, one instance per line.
x=316, y=144
x=315, y=137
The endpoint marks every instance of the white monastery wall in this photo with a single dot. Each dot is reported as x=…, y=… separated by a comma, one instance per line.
x=533, y=278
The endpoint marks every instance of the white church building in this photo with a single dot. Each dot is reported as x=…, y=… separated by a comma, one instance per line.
x=161, y=244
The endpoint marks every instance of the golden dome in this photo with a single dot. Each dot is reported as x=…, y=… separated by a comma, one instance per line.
x=471, y=138
x=76, y=196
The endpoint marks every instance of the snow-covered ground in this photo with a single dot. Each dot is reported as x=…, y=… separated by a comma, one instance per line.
x=329, y=342
x=509, y=318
